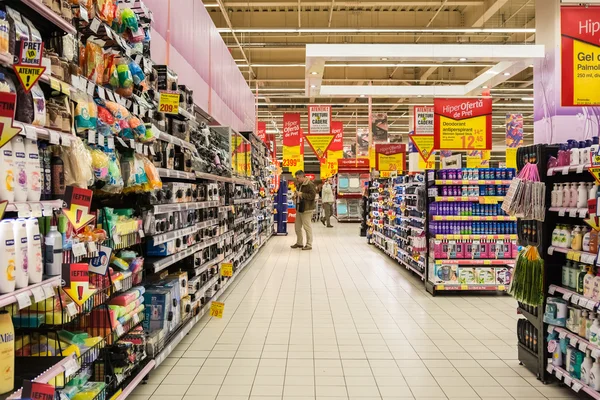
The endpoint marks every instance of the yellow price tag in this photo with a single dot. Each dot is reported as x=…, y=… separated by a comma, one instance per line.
x=501, y=287
x=168, y=103
x=226, y=269
x=55, y=84
x=65, y=89
x=439, y=287
x=216, y=309
x=487, y=262
x=576, y=256
x=569, y=255
x=464, y=287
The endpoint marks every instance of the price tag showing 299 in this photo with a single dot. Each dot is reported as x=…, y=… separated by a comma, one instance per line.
x=169, y=102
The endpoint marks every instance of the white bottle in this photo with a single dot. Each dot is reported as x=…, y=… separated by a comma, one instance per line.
x=7, y=185
x=585, y=245
x=588, y=326
x=574, y=160
x=20, y=233
x=592, y=191
x=595, y=332
x=53, y=248
x=573, y=196
x=594, y=379
x=586, y=367
x=568, y=237
x=34, y=171
x=19, y=171
x=559, y=195
x=553, y=195
x=582, y=196
x=566, y=195
x=7, y=260
x=555, y=234
x=34, y=251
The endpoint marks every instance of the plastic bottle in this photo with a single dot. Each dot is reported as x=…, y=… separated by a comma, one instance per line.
x=553, y=195
x=573, y=196
x=34, y=171
x=576, y=243
x=34, y=251
x=585, y=244
x=7, y=353
x=580, y=278
x=7, y=260
x=574, y=156
x=54, y=248
x=586, y=367
x=566, y=199
x=565, y=274
x=20, y=171
x=20, y=235
x=588, y=326
x=58, y=175
x=582, y=195
x=555, y=236
x=582, y=323
x=559, y=195
x=592, y=192
x=7, y=189
x=596, y=287
x=594, y=379
x=587, y=283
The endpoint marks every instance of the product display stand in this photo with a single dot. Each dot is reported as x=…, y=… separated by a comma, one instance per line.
x=352, y=177
x=281, y=208
x=472, y=242
x=397, y=220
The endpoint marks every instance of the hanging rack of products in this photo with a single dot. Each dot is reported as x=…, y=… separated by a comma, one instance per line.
x=199, y=204
x=397, y=220
x=472, y=241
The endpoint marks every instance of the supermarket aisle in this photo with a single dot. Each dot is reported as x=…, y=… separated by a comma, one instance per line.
x=344, y=321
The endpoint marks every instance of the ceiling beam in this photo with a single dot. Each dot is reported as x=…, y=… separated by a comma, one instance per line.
x=426, y=75
x=361, y=4
x=433, y=18
x=489, y=13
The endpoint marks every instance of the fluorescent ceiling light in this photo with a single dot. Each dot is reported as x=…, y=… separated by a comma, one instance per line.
x=211, y=5
x=484, y=87
x=260, y=89
x=313, y=86
x=506, y=73
x=314, y=73
x=362, y=95
x=378, y=30
x=462, y=59
x=527, y=98
x=373, y=64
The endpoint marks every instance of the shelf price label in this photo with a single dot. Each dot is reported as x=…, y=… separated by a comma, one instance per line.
x=216, y=309
x=227, y=269
x=169, y=102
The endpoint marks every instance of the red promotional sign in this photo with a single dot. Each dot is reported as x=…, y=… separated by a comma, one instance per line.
x=390, y=156
x=261, y=132
x=78, y=202
x=337, y=129
x=272, y=144
x=291, y=129
x=7, y=114
x=353, y=163
x=462, y=124
x=580, y=56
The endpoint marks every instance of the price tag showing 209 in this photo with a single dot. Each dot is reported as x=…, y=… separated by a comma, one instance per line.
x=169, y=102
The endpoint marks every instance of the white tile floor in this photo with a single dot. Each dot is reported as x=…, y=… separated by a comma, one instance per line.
x=343, y=321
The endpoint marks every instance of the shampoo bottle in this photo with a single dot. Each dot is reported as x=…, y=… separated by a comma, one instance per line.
x=594, y=379
x=7, y=188
x=7, y=261
x=586, y=367
x=34, y=251
x=553, y=195
x=54, y=248
x=34, y=171
x=573, y=196
x=559, y=195
x=7, y=353
x=582, y=196
x=593, y=190
x=566, y=195
x=577, y=238
x=20, y=233
x=19, y=171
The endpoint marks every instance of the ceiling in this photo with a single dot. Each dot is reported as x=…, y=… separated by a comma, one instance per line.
x=268, y=40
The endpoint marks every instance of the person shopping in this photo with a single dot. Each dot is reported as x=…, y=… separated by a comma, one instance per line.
x=328, y=200
x=306, y=193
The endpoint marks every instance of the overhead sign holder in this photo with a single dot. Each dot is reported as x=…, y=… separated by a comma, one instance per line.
x=78, y=207
x=319, y=120
x=423, y=120
x=463, y=124
x=29, y=69
x=424, y=145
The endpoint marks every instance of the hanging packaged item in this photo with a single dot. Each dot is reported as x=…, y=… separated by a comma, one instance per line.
x=526, y=196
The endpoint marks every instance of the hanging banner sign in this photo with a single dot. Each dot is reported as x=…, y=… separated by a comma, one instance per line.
x=29, y=69
x=77, y=282
x=379, y=127
x=78, y=207
x=319, y=143
x=261, y=131
x=319, y=120
x=362, y=142
x=335, y=151
x=423, y=120
x=426, y=164
x=424, y=145
x=462, y=124
x=292, y=136
x=580, y=55
x=7, y=114
x=514, y=138
x=390, y=157
x=348, y=164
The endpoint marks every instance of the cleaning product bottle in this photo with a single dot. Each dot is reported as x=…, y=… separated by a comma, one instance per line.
x=573, y=196
x=553, y=194
x=588, y=283
x=582, y=195
x=594, y=379
x=19, y=171
x=34, y=251
x=34, y=171
x=54, y=248
x=565, y=273
x=582, y=324
x=7, y=353
x=580, y=278
x=7, y=260
x=593, y=190
x=566, y=195
x=559, y=195
x=20, y=234
x=577, y=240
x=7, y=186
x=595, y=332
x=586, y=367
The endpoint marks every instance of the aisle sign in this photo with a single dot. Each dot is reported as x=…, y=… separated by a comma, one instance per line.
x=580, y=55
x=334, y=152
x=423, y=120
x=292, y=135
x=261, y=131
x=463, y=124
x=29, y=69
x=216, y=309
x=319, y=119
x=319, y=143
x=424, y=145
x=7, y=113
x=168, y=102
x=390, y=157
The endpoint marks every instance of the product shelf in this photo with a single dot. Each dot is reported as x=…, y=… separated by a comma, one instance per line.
x=49, y=15
x=472, y=218
x=475, y=237
x=572, y=212
x=574, y=384
x=574, y=297
x=529, y=316
x=568, y=169
x=470, y=287
x=575, y=340
x=575, y=255
x=480, y=199
x=509, y=261
x=39, y=291
x=243, y=201
x=165, y=237
x=137, y=380
x=67, y=365
x=165, y=208
x=472, y=182
x=165, y=137
x=170, y=173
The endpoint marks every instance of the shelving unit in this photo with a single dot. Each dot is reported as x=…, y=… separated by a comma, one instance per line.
x=464, y=228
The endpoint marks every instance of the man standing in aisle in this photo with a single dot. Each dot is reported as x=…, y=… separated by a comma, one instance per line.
x=328, y=200
x=306, y=193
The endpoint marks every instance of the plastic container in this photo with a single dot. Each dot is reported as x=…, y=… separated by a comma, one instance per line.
x=34, y=251
x=7, y=261
x=34, y=171
x=20, y=168
x=20, y=237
